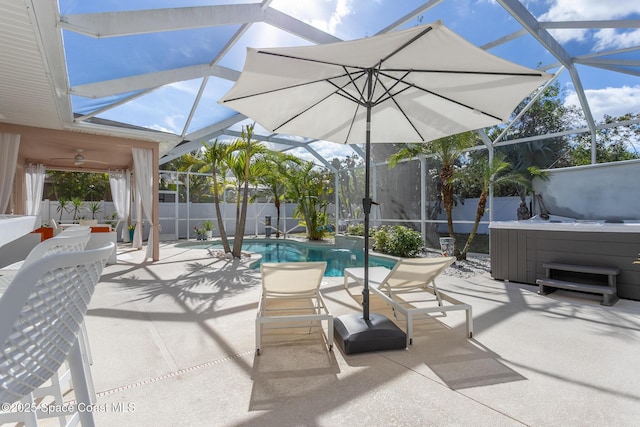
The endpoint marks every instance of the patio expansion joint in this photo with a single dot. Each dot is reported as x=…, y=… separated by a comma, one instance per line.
x=183, y=371
x=173, y=374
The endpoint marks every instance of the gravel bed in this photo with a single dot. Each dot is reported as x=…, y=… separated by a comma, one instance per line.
x=474, y=265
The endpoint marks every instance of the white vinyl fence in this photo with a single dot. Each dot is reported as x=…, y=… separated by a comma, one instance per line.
x=177, y=220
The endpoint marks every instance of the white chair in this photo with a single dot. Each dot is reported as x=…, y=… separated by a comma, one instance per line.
x=40, y=318
x=291, y=299
x=412, y=276
x=71, y=242
x=55, y=227
x=75, y=230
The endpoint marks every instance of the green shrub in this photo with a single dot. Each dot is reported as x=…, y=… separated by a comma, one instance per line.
x=405, y=242
x=398, y=241
x=380, y=238
x=356, y=229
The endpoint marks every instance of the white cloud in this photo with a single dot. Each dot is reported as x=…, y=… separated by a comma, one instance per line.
x=329, y=150
x=326, y=14
x=173, y=122
x=565, y=10
x=610, y=38
x=190, y=87
x=162, y=128
x=579, y=10
x=613, y=101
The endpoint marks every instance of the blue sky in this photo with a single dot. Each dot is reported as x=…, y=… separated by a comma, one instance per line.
x=480, y=21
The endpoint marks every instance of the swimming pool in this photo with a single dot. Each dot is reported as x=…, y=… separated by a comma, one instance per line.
x=290, y=251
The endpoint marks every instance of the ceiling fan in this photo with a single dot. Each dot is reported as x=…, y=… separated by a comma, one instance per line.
x=78, y=159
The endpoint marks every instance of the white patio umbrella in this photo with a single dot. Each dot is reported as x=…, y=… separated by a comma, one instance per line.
x=408, y=86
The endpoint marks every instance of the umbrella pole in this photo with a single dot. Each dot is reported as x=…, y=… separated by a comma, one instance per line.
x=369, y=332
x=366, y=207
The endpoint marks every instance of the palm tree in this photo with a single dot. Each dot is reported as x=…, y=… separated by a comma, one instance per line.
x=215, y=155
x=62, y=206
x=241, y=165
x=277, y=164
x=447, y=151
x=78, y=204
x=497, y=173
x=309, y=188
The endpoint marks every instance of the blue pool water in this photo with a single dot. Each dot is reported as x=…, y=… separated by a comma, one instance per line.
x=337, y=259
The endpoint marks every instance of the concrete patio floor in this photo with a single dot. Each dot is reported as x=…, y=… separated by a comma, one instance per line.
x=173, y=345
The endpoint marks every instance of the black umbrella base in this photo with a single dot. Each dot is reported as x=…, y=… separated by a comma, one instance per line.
x=353, y=334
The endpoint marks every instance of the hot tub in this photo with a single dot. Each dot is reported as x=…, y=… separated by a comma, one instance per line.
x=519, y=248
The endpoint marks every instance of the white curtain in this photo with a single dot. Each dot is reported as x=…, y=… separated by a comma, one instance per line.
x=9, y=146
x=143, y=165
x=121, y=194
x=137, y=234
x=34, y=183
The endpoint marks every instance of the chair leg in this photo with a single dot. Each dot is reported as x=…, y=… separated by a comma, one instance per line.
x=258, y=336
x=80, y=383
x=84, y=345
x=28, y=418
x=438, y=296
x=59, y=383
x=86, y=349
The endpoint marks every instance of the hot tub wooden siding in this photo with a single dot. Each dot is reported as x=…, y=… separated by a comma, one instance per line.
x=518, y=254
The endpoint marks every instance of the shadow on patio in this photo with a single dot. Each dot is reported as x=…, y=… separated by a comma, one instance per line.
x=176, y=338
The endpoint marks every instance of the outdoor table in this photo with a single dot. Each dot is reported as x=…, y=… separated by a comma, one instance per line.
x=14, y=226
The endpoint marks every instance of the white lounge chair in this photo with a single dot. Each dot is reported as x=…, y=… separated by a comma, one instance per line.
x=291, y=299
x=41, y=313
x=411, y=276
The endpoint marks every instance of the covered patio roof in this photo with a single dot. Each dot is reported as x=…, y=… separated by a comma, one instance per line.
x=122, y=69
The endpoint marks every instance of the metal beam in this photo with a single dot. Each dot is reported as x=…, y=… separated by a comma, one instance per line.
x=622, y=23
x=409, y=16
x=116, y=24
x=44, y=15
x=608, y=53
x=617, y=69
x=294, y=26
x=212, y=131
x=531, y=24
x=113, y=24
x=152, y=80
x=503, y=40
x=526, y=108
x=111, y=106
x=604, y=61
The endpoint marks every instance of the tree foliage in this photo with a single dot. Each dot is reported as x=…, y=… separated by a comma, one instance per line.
x=483, y=174
x=86, y=186
x=447, y=152
x=350, y=185
x=274, y=179
x=613, y=144
x=546, y=115
x=310, y=187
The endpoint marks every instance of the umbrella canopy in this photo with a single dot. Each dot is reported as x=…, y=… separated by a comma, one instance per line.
x=415, y=85
x=422, y=84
